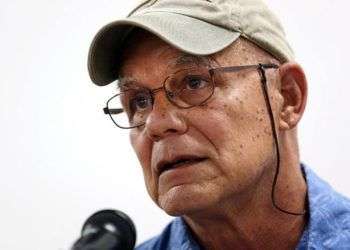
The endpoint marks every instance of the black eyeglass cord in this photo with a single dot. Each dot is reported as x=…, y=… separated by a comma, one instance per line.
x=274, y=133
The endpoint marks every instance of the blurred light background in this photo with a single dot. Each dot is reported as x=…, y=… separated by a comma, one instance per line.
x=61, y=157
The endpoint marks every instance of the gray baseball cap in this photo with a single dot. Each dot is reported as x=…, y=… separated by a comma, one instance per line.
x=198, y=27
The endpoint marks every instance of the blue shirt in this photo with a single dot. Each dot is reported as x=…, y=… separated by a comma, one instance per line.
x=328, y=226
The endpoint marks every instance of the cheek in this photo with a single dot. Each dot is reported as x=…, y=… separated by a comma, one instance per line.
x=136, y=143
x=237, y=124
x=143, y=150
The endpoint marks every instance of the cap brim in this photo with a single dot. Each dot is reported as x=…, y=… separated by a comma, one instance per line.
x=186, y=33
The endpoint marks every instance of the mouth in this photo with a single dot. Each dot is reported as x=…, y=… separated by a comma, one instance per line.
x=178, y=162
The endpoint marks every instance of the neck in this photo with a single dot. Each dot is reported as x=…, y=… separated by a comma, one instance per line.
x=253, y=222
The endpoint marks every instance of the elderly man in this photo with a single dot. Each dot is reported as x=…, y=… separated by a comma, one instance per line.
x=212, y=98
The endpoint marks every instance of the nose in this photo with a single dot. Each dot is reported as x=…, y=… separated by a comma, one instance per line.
x=165, y=119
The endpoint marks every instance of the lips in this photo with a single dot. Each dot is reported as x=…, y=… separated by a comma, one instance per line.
x=178, y=161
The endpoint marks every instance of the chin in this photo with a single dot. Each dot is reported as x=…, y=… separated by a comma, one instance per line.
x=183, y=200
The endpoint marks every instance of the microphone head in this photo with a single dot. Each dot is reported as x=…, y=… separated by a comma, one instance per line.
x=115, y=225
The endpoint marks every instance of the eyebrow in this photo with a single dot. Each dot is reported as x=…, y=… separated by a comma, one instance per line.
x=124, y=81
x=188, y=59
x=181, y=61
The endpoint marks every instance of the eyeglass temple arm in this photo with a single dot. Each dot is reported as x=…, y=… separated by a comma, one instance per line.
x=238, y=68
x=108, y=111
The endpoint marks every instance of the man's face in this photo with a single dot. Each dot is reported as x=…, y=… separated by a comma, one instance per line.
x=215, y=153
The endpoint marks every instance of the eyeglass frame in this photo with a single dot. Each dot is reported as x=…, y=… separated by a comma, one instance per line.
x=261, y=67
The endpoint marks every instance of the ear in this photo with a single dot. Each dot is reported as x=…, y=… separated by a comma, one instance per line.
x=293, y=89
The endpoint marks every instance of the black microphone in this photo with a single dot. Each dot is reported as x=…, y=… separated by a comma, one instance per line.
x=107, y=230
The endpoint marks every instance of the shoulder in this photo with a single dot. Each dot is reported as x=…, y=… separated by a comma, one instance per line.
x=329, y=224
x=174, y=236
x=324, y=201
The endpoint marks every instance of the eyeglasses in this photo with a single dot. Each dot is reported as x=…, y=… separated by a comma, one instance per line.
x=186, y=88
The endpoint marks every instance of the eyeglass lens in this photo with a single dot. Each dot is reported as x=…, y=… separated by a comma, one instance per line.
x=185, y=88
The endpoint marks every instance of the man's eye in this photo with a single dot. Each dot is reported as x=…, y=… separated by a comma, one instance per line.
x=140, y=102
x=194, y=82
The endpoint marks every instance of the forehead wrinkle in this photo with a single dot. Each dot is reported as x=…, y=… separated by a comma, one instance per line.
x=179, y=58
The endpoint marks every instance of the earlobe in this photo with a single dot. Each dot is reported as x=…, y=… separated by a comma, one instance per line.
x=294, y=93
x=285, y=118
